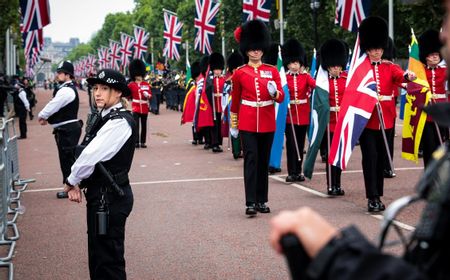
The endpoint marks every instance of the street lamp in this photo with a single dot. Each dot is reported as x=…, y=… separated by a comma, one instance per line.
x=315, y=5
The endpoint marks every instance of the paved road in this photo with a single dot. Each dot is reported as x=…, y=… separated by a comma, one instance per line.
x=188, y=219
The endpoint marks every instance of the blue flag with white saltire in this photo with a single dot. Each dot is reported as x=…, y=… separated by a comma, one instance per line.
x=280, y=114
x=320, y=117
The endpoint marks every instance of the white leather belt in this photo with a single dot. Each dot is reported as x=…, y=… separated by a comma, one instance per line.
x=384, y=97
x=139, y=101
x=298, y=101
x=217, y=94
x=334, y=109
x=257, y=103
x=439, y=96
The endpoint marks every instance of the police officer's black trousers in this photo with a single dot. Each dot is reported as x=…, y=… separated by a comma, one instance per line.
x=67, y=137
x=256, y=147
x=373, y=152
x=22, y=123
x=216, y=131
x=143, y=119
x=335, y=171
x=430, y=140
x=106, y=253
x=293, y=164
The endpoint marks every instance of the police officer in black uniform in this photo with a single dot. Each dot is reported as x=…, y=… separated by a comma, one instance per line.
x=62, y=114
x=109, y=148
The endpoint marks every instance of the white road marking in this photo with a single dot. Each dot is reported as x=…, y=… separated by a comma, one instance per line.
x=397, y=223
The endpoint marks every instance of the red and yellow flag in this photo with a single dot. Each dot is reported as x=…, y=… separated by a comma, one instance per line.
x=418, y=95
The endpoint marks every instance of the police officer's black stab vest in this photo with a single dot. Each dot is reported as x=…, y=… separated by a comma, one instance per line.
x=119, y=165
x=68, y=112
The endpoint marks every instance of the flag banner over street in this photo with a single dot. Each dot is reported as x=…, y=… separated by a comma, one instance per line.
x=35, y=14
x=357, y=106
x=127, y=43
x=172, y=35
x=205, y=24
x=418, y=95
x=320, y=117
x=256, y=9
x=280, y=114
x=350, y=13
x=140, y=41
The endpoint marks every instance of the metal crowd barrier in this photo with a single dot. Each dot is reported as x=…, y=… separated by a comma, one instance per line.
x=11, y=187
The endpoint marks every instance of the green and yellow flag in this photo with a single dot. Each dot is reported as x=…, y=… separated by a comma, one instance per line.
x=418, y=95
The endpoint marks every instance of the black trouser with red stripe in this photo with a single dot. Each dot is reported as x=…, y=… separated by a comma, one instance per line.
x=335, y=171
x=143, y=121
x=294, y=165
x=256, y=147
x=373, y=151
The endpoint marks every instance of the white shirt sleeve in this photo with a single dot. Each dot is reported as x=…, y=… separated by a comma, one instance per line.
x=108, y=141
x=63, y=97
x=23, y=97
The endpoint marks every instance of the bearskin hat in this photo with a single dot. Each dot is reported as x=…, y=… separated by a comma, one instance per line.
x=373, y=33
x=254, y=36
x=136, y=68
x=271, y=56
x=390, y=52
x=293, y=51
x=333, y=53
x=428, y=43
x=234, y=60
x=216, y=61
x=195, y=70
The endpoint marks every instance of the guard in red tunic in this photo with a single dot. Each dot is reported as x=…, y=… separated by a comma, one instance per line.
x=300, y=84
x=334, y=57
x=216, y=65
x=373, y=34
x=140, y=96
x=256, y=86
x=435, y=68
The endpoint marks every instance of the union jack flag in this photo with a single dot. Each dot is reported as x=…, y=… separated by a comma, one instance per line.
x=172, y=35
x=256, y=9
x=205, y=24
x=140, y=41
x=114, y=55
x=358, y=103
x=127, y=42
x=35, y=14
x=32, y=40
x=350, y=13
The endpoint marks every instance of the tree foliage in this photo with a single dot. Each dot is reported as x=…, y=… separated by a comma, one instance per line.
x=9, y=18
x=298, y=16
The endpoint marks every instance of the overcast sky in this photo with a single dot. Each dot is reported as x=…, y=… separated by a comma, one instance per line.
x=81, y=18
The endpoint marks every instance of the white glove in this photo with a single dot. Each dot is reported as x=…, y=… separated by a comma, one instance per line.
x=146, y=94
x=272, y=88
x=234, y=132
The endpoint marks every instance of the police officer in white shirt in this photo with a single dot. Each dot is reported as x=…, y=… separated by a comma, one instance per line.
x=62, y=114
x=111, y=148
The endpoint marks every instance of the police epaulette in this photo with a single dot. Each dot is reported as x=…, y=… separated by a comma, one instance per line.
x=115, y=114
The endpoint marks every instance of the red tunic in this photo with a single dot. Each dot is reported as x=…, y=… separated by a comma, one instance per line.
x=390, y=77
x=254, y=108
x=437, y=79
x=336, y=88
x=218, y=83
x=300, y=86
x=139, y=103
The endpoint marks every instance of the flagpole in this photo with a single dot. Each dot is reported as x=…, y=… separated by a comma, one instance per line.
x=328, y=164
x=293, y=133
x=152, y=53
x=281, y=22
x=391, y=19
x=223, y=34
x=383, y=132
